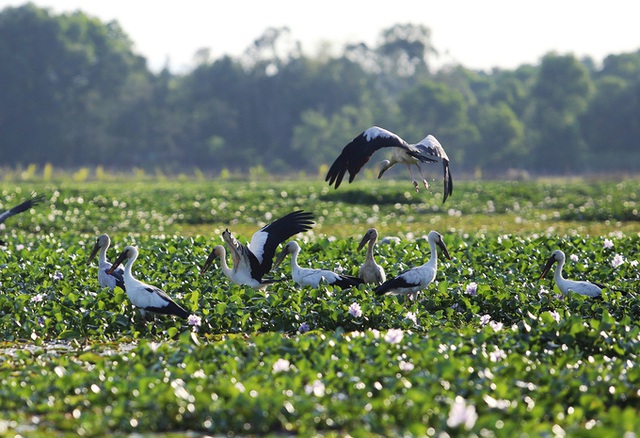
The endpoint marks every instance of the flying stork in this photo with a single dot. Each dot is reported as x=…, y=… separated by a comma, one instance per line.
x=313, y=277
x=251, y=263
x=370, y=271
x=566, y=286
x=418, y=278
x=104, y=279
x=356, y=154
x=26, y=205
x=145, y=297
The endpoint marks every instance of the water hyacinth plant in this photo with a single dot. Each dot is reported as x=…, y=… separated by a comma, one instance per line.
x=487, y=349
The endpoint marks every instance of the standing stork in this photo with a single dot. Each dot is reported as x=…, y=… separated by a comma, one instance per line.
x=566, y=286
x=20, y=208
x=104, y=278
x=251, y=263
x=418, y=278
x=356, y=154
x=370, y=271
x=313, y=277
x=145, y=297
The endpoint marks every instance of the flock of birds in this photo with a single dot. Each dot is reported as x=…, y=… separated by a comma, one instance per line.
x=251, y=263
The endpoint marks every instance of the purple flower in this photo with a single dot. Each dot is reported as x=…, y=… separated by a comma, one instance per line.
x=574, y=258
x=281, y=365
x=472, y=289
x=355, y=311
x=37, y=298
x=394, y=336
x=484, y=319
x=617, y=260
x=304, y=327
x=57, y=276
x=608, y=244
x=194, y=320
x=461, y=413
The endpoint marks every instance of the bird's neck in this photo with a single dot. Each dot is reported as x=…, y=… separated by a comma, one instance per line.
x=226, y=270
x=370, y=250
x=102, y=256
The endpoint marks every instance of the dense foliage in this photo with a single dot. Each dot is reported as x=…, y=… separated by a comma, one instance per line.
x=75, y=94
x=487, y=350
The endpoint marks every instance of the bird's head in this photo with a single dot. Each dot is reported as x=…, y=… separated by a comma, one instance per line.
x=289, y=248
x=128, y=253
x=556, y=256
x=436, y=238
x=370, y=235
x=102, y=241
x=384, y=166
x=217, y=251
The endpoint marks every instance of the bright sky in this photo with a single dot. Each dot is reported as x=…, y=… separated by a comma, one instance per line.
x=479, y=34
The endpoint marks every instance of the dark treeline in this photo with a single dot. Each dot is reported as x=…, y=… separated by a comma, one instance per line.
x=74, y=93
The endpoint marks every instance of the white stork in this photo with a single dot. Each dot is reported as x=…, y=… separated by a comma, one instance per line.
x=26, y=205
x=104, y=279
x=566, y=286
x=360, y=149
x=313, y=277
x=144, y=296
x=418, y=278
x=251, y=263
x=370, y=271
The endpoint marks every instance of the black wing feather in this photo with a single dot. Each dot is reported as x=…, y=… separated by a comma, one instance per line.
x=393, y=284
x=26, y=205
x=118, y=274
x=347, y=281
x=172, y=308
x=277, y=232
x=357, y=153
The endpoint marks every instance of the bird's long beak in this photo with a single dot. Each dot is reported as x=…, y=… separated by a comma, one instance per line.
x=94, y=251
x=363, y=242
x=121, y=258
x=209, y=261
x=443, y=247
x=547, y=267
x=280, y=258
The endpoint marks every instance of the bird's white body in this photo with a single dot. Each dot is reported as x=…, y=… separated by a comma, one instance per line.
x=104, y=279
x=370, y=271
x=416, y=279
x=240, y=273
x=145, y=296
x=312, y=277
x=569, y=286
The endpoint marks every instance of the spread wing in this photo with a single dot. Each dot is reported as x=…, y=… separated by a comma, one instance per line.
x=430, y=150
x=26, y=205
x=356, y=154
x=265, y=241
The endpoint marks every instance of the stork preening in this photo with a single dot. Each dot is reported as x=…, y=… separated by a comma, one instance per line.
x=251, y=263
x=370, y=271
x=567, y=286
x=145, y=297
x=313, y=277
x=104, y=278
x=20, y=208
x=415, y=279
x=356, y=154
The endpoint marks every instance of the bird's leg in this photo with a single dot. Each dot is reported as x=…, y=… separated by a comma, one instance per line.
x=413, y=179
x=424, y=180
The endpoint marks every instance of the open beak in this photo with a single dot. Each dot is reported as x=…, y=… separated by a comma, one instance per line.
x=547, y=267
x=209, y=261
x=121, y=258
x=94, y=251
x=443, y=247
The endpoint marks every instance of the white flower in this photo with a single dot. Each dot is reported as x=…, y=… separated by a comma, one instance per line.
x=608, y=244
x=617, y=260
x=461, y=413
x=281, y=365
x=411, y=316
x=472, y=289
x=574, y=258
x=394, y=336
x=484, y=319
x=497, y=355
x=496, y=325
x=19, y=247
x=316, y=388
x=405, y=366
x=37, y=298
x=555, y=315
x=633, y=263
x=355, y=311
